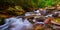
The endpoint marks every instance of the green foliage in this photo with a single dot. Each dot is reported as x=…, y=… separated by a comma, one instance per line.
x=34, y=3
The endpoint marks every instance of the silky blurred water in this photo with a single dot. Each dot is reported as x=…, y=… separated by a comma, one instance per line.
x=19, y=24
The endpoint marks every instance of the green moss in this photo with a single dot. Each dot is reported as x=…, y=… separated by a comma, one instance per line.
x=2, y=21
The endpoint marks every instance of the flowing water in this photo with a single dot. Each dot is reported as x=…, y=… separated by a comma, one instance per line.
x=18, y=24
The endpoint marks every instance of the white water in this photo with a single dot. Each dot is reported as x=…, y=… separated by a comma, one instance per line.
x=19, y=24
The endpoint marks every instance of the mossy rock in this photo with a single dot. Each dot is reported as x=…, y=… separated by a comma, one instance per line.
x=2, y=21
